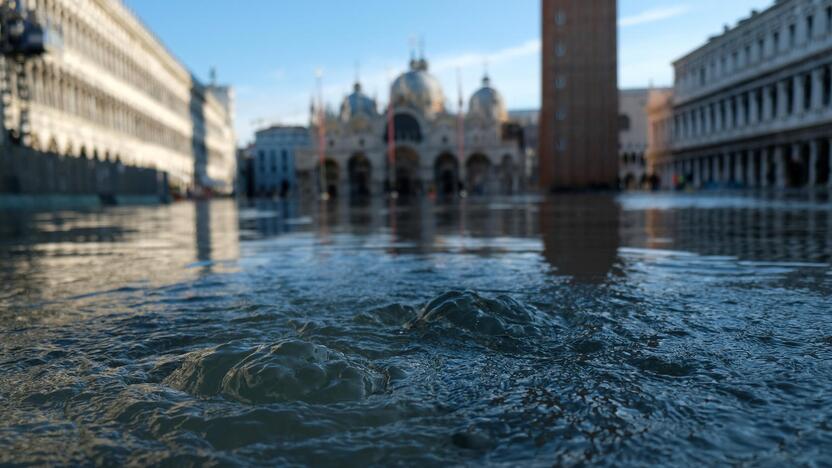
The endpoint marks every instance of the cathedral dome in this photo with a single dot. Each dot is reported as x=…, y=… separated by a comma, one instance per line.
x=487, y=104
x=358, y=104
x=419, y=89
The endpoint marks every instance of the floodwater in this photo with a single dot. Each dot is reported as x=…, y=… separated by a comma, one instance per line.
x=631, y=330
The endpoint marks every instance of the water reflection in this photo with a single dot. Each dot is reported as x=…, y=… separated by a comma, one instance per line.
x=578, y=236
x=47, y=256
x=578, y=329
x=581, y=235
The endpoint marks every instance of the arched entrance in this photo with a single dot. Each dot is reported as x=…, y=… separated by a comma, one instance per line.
x=407, y=180
x=507, y=175
x=360, y=173
x=446, y=175
x=330, y=179
x=478, y=177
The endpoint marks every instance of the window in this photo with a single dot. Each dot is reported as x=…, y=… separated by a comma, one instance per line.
x=624, y=123
x=560, y=82
x=810, y=27
x=761, y=49
x=561, y=49
x=776, y=42
x=284, y=158
x=560, y=18
x=792, y=35
x=829, y=19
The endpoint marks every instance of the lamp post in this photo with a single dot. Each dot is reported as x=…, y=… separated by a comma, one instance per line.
x=22, y=38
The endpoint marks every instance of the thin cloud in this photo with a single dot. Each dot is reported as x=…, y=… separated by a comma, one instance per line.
x=531, y=47
x=654, y=15
x=380, y=79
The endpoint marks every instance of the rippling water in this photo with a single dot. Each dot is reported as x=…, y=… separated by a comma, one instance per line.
x=636, y=330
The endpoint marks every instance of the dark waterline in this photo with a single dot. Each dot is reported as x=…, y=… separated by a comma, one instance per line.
x=630, y=330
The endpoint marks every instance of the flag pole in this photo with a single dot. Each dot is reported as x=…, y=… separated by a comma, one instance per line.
x=460, y=135
x=322, y=137
x=391, y=147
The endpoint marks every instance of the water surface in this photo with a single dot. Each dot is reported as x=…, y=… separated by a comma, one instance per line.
x=630, y=330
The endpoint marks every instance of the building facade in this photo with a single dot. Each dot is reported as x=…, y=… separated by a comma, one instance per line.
x=529, y=122
x=579, y=115
x=432, y=150
x=753, y=106
x=273, y=154
x=632, y=145
x=111, y=91
x=660, y=134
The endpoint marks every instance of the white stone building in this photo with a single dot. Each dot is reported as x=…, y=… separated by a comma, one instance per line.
x=112, y=91
x=426, y=143
x=753, y=106
x=274, y=159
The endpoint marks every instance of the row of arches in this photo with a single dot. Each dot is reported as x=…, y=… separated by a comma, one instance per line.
x=57, y=89
x=480, y=176
x=84, y=34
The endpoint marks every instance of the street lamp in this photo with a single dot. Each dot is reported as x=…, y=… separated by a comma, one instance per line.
x=22, y=38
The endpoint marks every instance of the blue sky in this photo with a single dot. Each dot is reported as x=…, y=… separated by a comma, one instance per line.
x=269, y=50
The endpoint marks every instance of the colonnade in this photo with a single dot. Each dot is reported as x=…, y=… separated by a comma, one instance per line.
x=800, y=164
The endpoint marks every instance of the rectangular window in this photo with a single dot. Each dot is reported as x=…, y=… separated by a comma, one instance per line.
x=810, y=27
x=792, y=35
x=776, y=40
x=829, y=19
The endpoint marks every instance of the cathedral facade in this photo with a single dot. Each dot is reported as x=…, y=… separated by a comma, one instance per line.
x=433, y=150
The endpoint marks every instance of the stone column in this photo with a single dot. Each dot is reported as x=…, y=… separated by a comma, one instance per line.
x=753, y=117
x=780, y=162
x=765, y=165
x=707, y=175
x=817, y=89
x=716, y=168
x=729, y=115
x=814, y=150
x=768, y=105
x=829, y=158
x=741, y=110
x=751, y=169
x=708, y=122
x=739, y=170
x=696, y=170
x=727, y=162
x=798, y=94
x=782, y=110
